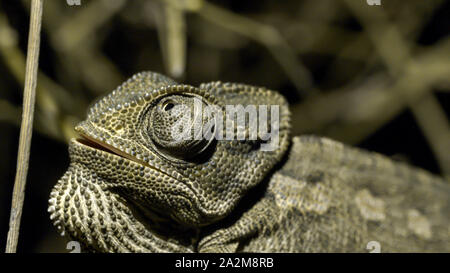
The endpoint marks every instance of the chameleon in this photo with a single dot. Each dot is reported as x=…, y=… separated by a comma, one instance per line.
x=131, y=188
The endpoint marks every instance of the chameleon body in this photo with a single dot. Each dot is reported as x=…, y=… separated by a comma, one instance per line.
x=129, y=189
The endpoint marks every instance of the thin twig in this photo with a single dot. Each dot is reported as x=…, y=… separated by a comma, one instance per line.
x=435, y=126
x=27, y=125
x=174, y=40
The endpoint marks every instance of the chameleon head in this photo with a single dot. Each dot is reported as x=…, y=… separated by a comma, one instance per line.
x=130, y=145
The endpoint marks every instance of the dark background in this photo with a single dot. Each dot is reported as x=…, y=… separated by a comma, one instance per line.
x=339, y=63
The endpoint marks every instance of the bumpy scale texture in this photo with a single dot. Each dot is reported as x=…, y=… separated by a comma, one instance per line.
x=131, y=188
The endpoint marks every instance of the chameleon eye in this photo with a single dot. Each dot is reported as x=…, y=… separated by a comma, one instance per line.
x=176, y=126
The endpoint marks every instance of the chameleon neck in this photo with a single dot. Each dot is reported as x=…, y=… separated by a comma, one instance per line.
x=103, y=221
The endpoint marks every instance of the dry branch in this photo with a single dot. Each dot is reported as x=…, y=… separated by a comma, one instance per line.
x=27, y=125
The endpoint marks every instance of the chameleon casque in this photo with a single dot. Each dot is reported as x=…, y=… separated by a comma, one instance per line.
x=128, y=189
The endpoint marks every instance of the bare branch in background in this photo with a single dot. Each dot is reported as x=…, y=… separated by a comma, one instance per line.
x=352, y=113
x=262, y=33
x=53, y=100
x=172, y=37
x=396, y=54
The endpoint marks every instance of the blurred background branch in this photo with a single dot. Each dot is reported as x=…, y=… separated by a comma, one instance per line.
x=265, y=34
x=396, y=55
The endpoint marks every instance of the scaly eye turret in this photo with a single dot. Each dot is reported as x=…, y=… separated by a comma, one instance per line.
x=177, y=123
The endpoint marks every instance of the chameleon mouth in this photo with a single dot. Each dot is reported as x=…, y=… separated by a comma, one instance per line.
x=95, y=144
x=92, y=142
